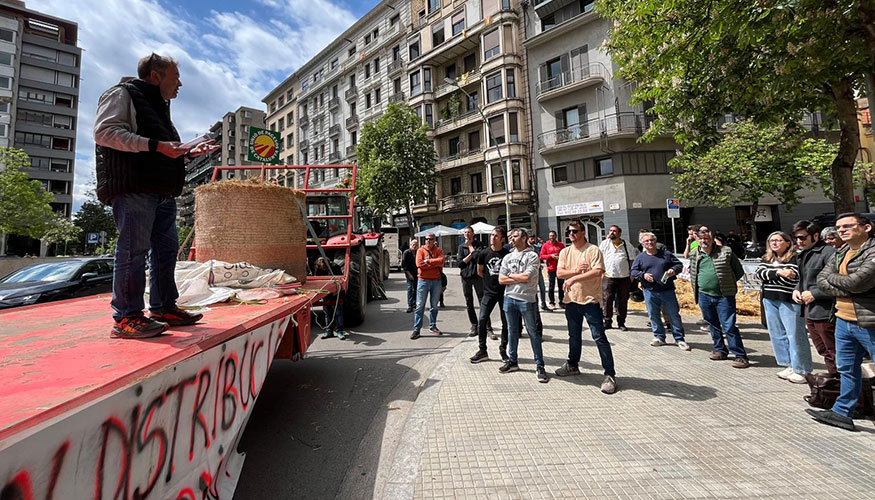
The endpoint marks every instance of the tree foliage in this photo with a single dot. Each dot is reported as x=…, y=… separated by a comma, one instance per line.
x=751, y=162
x=767, y=60
x=396, y=161
x=24, y=203
x=94, y=217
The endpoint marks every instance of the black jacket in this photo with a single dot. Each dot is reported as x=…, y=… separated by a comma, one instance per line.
x=122, y=172
x=408, y=262
x=811, y=262
x=859, y=284
x=469, y=269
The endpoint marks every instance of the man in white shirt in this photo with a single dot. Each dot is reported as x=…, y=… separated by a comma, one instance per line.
x=617, y=281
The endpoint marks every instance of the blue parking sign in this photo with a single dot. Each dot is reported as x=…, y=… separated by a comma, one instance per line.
x=92, y=238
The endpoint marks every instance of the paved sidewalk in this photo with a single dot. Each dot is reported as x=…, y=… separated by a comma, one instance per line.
x=680, y=426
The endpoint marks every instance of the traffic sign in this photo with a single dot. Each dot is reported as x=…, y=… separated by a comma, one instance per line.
x=93, y=238
x=264, y=146
x=674, y=207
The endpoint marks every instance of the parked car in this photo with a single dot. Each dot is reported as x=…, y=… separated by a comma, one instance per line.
x=56, y=280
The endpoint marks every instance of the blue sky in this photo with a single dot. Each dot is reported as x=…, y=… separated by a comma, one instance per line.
x=231, y=53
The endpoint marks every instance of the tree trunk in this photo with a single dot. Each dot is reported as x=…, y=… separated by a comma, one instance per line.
x=842, y=168
x=410, y=220
x=753, y=221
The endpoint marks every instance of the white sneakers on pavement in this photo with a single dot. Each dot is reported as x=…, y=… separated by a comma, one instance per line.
x=684, y=346
x=785, y=373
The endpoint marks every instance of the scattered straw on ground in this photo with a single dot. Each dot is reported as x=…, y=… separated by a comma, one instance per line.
x=747, y=303
x=231, y=184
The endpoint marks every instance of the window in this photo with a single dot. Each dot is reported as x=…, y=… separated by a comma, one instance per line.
x=376, y=65
x=334, y=63
x=279, y=124
x=3, y=130
x=429, y=115
x=59, y=165
x=304, y=158
x=451, y=71
x=474, y=141
x=511, y=83
x=396, y=53
x=493, y=87
x=29, y=139
x=65, y=122
x=434, y=5
x=414, y=84
x=426, y=79
x=515, y=175
x=396, y=85
x=353, y=137
x=36, y=162
x=418, y=111
x=290, y=141
x=290, y=95
x=394, y=19
x=34, y=95
x=496, y=127
x=514, y=127
x=273, y=127
x=6, y=59
x=454, y=146
x=472, y=102
x=571, y=122
x=282, y=102
x=477, y=183
x=247, y=114
x=351, y=51
x=470, y=63
x=497, y=178
x=368, y=100
x=455, y=186
x=305, y=85
x=37, y=118
x=367, y=39
x=377, y=96
x=64, y=100
x=604, y=166
x=5, y=82
x=587, y=5
x=290, y=118
x=352, y=80
x=367, y=71
x=376, y=33
x=437, y=34
x=7, y=35
x=560, y=174
x=413, y=48
x=548, y=22
x=61, y=143
x=4, y=107
x=458, y=22
x=490, y=45
x=352, y=108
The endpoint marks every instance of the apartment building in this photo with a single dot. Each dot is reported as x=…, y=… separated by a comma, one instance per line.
x=347, y=84
x=466, y=57
x=281, y=104
x=199, y=171
x=39, y=95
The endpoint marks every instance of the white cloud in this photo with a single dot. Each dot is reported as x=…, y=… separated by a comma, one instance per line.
x=227, y=59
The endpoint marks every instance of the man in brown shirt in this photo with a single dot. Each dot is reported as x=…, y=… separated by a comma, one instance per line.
x=582, y=266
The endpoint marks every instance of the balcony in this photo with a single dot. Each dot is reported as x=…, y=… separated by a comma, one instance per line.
x=352, y=122
x=334, y=157
x=351, y=93
x=569, y=81
x=350, y=151
x=465, y=119
x=333, y=103
x=460, y=159
x=394, y=67
x=304, y=144
x=546, y=7
x=463, y=201
x=466, y=79
x=303, y=120
x=612, y=126
x=397, y=97
x=424, y=208
x=334, y=130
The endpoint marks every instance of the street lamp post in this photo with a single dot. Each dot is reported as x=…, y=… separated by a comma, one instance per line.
x=505, y=169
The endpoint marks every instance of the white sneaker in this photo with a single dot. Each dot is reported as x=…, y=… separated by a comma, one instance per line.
x=684, y=346
x=797, y=379
x=785, y=373
x=657, y=342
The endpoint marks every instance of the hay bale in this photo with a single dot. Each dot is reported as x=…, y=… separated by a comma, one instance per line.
x=254, y=222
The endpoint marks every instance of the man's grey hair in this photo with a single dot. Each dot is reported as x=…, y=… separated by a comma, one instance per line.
x=829, y=231
x=154, y=62
x=412, y=241
x=645, y=235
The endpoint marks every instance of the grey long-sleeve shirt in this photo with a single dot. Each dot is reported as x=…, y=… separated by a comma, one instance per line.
x=116, y=123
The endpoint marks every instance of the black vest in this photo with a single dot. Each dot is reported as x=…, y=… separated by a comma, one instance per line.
x=122, y=172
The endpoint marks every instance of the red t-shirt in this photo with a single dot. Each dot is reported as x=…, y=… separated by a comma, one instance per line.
x=551, y=249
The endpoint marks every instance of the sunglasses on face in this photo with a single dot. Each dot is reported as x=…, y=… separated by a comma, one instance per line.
x=429, y=239
x=572, y=231
x=801, y=237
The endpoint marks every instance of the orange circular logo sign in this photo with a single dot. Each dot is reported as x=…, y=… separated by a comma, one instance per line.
x=263, y=147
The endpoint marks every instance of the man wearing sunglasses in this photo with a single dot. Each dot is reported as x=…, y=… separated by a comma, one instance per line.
x=816, y=305
x=430, y=263
x=582, y=266
x=140, y=170
x=714, y=273
x=849, y=276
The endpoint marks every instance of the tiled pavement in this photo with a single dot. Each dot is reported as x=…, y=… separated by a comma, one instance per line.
x=680, y=426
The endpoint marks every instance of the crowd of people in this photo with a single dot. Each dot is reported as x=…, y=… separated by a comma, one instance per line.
x=817, y=284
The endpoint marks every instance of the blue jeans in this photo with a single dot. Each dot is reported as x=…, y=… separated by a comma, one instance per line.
x=411, y=293
x=851, y=342
x=574, y=315
x=719, y=313
x=666, y=299
x=516, y=312
x=787, y=331
x=146, y=224
x=542, y=292
x=423, y=289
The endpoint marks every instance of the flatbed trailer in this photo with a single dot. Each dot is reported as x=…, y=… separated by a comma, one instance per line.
x=83, y=415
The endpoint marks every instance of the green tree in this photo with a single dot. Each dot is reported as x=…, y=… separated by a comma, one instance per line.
x=751, y=162
x=768, y=60
x=94, y=217
x=396, y=161
x=24, y=203
x=62, y=231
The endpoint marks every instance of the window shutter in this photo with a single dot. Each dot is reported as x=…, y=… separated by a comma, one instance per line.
x=542, y=73
x=560, y=120
x=563, y=62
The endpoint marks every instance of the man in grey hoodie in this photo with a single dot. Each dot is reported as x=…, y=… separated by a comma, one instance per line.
x=519, y=273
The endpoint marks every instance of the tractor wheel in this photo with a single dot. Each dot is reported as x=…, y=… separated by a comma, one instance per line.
x=356, y=299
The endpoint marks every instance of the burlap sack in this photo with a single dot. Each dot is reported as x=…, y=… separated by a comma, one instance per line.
x=247, y=221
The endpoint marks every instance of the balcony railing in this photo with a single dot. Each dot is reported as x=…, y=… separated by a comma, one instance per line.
x=463, y=200
x=466, y=79
x=621, y=123
x=304, y=144
x=350, y=151
x=351, y=93
x=456, y=119
x=592, y=71
x=463, y=153
x=333, y=102
x=334, y=130
x=303, y=120
x=334, y=157
x=397, y=97
x=394, y=66
x=352, y=121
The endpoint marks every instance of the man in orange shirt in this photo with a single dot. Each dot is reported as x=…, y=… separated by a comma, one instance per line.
x=582, y=266
x=430, y=263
